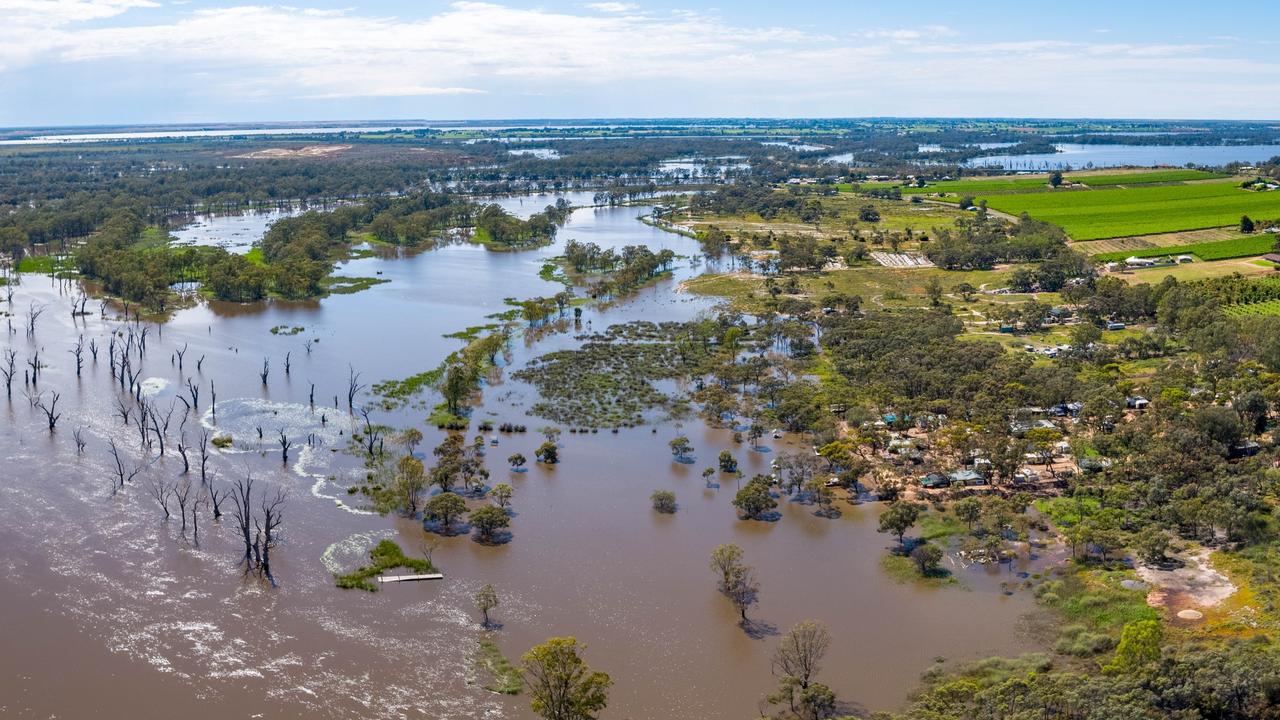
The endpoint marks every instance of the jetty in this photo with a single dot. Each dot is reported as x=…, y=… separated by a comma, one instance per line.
x=409, y=578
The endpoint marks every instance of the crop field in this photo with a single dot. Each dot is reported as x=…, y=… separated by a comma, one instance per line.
x=1142, y=210
x=1040, y=183
x=1188, y=237
x=1266, y=307
x=1140, y=178
x=1220, y=250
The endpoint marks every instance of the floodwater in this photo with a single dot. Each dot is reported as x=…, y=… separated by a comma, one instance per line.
x=99, y=590
x=1078, y=155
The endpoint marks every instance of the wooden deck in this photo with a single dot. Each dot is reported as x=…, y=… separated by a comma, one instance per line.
x=409, y=578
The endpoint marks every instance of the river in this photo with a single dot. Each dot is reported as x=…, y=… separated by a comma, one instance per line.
x=98, y=589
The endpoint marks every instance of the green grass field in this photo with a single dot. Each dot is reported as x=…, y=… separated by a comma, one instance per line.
x=1143, y=210
x=1220, y=250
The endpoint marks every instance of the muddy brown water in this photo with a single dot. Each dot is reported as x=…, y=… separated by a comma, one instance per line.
x=106, y=609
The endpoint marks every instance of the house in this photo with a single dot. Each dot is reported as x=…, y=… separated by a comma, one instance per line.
x=1137, y=402
x=1115, y=326
x=967, y=477
x=1184, y=259
x=1272, y=257
x=1246, y=448
x=1092, y=464
x=1139, y=262
x=1071, y=409
x=935, y=480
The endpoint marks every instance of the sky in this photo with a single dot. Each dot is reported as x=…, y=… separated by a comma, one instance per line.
x=88, y=62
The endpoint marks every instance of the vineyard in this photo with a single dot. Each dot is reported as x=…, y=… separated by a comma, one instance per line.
x=1266, y=307
x=1217, y=250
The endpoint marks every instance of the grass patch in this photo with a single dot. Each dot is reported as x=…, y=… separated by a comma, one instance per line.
x=473, y=332
x=940, y=525
x=1094, y=598
x=504, y=678
x=341, y=285
x=44, y=264
x=254, y=256
x=386, y=555
x=552, y=272
x=902, y=569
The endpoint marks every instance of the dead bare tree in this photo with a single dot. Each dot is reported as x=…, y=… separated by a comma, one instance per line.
x=78, y=435
x=181, y=353
x=123, y=409
x=123, y=475
x=287, y=356
x=34, y=363
x=196, y=502
x=204, y=457
x=213, y=401
x=8, y=369
x=266, y=370
x=242, y=498
x=162, y=491
x=194, y=391
x=161, y=429
x=182, y=495
x=200, y=364
x=50, y=410
x=33, y=315
x=311, y=397
x=182, y=452
x=372, y=433
x=285, y=444
x=93, y=349
x=272, y=517
x=216, y=496
x=78, y=354
x=353, y=386
x=308, y=344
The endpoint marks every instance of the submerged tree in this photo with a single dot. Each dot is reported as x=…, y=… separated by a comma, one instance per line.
x=664, y=501
x=444, y=509
x=488, y=520
x=486, y=600
x=898, y=518
x=561, y=685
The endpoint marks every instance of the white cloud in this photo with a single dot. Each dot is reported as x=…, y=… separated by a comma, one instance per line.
x=61, y=12
x=613, y=7
x=659, y=62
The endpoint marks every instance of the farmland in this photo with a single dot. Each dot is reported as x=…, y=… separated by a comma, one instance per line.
x=1267, y=307
x=1143, y=210
x=1037, y=183
x=1220, y=250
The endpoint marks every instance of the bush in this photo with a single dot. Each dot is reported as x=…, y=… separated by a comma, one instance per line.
x=664, y=501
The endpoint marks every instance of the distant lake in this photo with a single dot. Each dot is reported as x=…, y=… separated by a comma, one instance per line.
x=1078, y=156
x=797, y=146
x=542, y=153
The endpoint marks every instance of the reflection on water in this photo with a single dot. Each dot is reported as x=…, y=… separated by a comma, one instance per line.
x=148, y=611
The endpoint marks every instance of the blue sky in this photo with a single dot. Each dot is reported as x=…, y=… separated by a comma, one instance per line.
x=76, y=62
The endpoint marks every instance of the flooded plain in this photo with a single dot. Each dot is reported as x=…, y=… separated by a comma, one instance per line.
x=99, y=592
